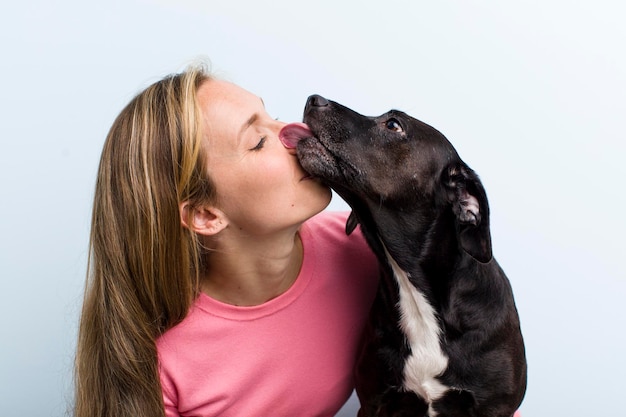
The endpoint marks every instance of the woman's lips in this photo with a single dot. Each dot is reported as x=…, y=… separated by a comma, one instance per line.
x=291, y=134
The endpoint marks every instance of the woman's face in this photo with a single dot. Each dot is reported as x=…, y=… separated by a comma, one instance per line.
x=261, y=187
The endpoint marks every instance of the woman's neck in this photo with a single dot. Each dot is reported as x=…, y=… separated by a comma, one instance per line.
x=248, y=272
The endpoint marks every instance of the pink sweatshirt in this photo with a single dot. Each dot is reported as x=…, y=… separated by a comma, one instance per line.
x=292, y=356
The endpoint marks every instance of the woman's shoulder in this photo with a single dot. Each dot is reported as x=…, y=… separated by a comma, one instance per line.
x=328, y=225
x=328, y=229
x=343, y=260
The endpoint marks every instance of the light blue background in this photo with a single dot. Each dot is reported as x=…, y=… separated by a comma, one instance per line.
x=532, y=93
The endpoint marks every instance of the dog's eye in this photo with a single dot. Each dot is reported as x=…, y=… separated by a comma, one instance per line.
x=394, y=125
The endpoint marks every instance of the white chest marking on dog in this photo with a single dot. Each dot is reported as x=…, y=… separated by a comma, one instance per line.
x=419, y=323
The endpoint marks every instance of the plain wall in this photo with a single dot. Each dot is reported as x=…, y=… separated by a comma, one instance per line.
x=531, y=94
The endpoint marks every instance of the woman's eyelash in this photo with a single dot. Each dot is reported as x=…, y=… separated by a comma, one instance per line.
x=260, y=144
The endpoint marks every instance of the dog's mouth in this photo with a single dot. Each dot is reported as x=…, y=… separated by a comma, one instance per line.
x=292, y=133
x=313, y=154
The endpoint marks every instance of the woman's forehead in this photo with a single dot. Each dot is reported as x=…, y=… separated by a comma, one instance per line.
x=215, y=95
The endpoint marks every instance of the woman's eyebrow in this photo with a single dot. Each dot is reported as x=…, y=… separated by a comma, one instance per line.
x=246, y=125
x=249, y=123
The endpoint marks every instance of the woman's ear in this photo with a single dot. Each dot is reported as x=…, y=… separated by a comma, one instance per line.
x=203, y=220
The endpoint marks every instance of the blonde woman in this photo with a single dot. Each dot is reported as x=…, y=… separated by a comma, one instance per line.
x=217, y=286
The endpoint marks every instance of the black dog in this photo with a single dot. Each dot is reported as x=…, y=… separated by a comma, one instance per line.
x=444, y=337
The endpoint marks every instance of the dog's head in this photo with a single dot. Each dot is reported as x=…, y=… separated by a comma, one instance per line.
x=398, y=162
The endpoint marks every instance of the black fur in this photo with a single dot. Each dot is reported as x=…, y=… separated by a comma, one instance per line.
x=413, y=196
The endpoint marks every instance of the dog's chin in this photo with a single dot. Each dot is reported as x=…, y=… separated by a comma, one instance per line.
x=318, y=161
x=330, y=169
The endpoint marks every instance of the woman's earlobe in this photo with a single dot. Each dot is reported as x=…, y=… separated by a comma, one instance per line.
x=203, y=220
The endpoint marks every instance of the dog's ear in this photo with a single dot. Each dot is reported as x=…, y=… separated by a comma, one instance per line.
x=352, y=223
x=469, y=204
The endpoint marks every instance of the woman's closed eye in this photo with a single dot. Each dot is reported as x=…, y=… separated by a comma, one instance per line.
x=259, y=145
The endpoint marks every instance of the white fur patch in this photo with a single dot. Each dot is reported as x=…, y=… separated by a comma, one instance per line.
x=472, y=205
x=418, y=321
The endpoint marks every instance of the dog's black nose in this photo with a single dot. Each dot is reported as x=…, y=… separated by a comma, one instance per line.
x=317, y=101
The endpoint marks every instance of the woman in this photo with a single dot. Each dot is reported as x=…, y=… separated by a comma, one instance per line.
x=216, y=286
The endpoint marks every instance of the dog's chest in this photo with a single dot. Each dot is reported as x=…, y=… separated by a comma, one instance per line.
x=419, y=323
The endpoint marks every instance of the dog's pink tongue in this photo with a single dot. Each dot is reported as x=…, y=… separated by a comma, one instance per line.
x=291, y=134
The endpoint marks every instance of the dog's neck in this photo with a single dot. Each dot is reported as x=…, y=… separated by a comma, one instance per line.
x=423, y=244
x=416, y=240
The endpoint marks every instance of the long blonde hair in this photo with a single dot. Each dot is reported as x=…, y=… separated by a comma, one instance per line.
x=144, y=266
